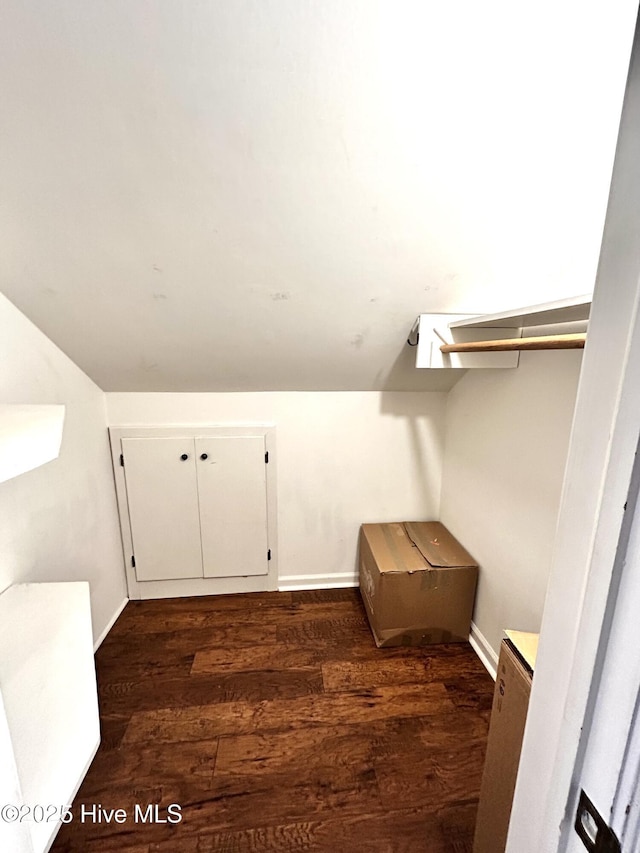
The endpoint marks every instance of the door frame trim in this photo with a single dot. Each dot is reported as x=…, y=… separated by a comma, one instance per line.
x=597, y=480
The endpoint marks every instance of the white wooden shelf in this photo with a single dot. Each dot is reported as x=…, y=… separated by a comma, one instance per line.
x=50, y=728
x=30, y=436
x=547, y=313
x=464, y=331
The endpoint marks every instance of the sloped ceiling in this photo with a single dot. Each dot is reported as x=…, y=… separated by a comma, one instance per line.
x=263, y=194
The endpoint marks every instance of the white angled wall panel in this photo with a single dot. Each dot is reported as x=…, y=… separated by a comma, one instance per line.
x=30, y=436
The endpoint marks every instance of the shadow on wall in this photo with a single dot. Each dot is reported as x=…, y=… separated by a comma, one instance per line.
x=425, y=422
x=405, y=376
x=424, y=417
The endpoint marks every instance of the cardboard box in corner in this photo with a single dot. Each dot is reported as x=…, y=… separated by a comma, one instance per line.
x=417, y=583
x=506, y=730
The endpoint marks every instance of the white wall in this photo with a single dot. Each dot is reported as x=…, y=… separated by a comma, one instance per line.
x=507, y=434
x=263, y=195
x=343, y=458
x=59, y=522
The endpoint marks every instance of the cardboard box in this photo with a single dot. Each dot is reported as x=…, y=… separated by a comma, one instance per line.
x=417, y=583
x=508, y=717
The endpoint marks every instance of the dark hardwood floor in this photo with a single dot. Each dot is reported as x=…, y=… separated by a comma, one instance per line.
x=276, y=725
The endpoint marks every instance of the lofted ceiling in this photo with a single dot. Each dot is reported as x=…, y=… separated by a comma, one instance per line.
x=204, y=195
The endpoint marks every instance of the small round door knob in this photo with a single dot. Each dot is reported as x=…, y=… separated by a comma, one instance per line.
x=204, y=456
x=184, y=457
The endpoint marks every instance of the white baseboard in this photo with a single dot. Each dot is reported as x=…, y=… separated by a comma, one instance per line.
x=292, y=583
x=110, y=625
x=485, y=652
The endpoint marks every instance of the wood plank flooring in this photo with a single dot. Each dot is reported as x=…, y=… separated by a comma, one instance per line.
x=277, y=725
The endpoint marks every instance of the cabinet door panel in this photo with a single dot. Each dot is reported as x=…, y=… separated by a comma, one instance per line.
x=232, y=488
x=163, y=507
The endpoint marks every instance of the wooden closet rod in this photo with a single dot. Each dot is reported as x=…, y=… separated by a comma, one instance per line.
x=545, y=342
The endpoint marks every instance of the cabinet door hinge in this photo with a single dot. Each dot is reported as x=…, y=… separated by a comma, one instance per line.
x=269, y=554
x=266, y=457
x=596, y=836
x=122, y=460
x=133, y=561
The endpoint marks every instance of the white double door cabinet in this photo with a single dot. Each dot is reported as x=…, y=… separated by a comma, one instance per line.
x=197, y=506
